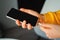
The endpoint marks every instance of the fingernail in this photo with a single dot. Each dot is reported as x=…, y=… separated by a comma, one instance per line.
x=24, y=21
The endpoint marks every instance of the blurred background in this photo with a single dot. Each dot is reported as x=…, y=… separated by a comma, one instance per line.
x=6, y=5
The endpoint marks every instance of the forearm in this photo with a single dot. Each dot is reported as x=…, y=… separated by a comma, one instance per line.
x=51, y=17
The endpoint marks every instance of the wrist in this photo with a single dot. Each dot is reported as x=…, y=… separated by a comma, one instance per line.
x=41, y=18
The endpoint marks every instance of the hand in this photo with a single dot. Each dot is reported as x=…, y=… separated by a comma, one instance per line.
x=34, y=13
x=51, y=30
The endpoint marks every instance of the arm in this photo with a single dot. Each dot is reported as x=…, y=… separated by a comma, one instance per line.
x=52, y=17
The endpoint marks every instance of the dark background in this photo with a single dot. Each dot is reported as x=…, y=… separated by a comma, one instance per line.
x=31, y=4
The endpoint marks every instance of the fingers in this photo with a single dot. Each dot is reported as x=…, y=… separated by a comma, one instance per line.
x=24, y=25
x=29, y=26
x=18, y=22
x=43, y=29
x=47, y=31
x=46, y=25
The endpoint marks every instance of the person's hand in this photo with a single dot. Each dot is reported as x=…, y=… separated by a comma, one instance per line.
x=51, y=30
x=34, y=13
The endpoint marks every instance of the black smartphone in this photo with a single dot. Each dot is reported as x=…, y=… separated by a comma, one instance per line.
x=16, y=14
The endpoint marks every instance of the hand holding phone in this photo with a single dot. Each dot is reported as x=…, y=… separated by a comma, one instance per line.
x=16, y=14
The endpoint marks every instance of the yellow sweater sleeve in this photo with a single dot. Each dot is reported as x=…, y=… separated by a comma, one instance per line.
x=52, y=17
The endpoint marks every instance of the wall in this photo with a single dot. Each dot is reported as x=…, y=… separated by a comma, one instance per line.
x=51, y=5
x=5, y=6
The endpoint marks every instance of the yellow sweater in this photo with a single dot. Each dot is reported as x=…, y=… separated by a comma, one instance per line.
x=52, y=17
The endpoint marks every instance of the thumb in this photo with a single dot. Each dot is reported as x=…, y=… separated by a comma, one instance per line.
x=28, y=11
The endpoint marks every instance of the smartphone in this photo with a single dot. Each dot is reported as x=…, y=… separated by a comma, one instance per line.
x=16, y=14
